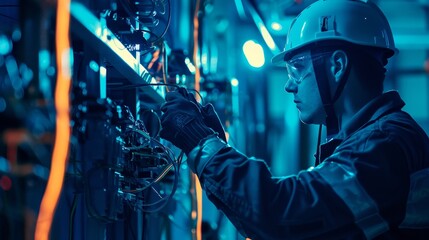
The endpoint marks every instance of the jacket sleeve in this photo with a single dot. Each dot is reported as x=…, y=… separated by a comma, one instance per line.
x=328, y=200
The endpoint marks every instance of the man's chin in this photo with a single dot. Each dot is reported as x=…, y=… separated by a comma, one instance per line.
x=309, y=119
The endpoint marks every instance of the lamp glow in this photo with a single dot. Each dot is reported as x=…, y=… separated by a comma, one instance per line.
x=254, y=53
x=234, y=82
x=276, y=26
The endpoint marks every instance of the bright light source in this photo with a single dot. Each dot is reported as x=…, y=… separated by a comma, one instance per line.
x=254, y=53
x=103, y=82
x=5, y=45
x=234, y=82
x=267, y=37
x=190, y=66
x=276, y=26
x=94, y=66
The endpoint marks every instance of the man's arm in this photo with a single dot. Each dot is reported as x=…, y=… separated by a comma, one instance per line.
x=340, y=196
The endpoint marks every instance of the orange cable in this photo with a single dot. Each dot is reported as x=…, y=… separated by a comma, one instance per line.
x=199, y=194
x=198, y=190
x=155, y=57
x=197, y=67
x=62, y=133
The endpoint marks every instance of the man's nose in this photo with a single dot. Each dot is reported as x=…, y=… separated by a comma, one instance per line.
x=291, y=86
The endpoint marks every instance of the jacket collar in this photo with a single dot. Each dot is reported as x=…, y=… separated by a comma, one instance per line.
x=374, y=110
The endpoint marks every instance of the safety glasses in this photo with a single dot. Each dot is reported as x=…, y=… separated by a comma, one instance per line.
x=300, y=66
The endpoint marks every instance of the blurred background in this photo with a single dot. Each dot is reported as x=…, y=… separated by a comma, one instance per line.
x=121, y=181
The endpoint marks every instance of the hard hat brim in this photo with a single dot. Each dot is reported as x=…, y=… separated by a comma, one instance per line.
x=278, y=59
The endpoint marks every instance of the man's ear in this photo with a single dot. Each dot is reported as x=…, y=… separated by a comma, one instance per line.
x=339, y=62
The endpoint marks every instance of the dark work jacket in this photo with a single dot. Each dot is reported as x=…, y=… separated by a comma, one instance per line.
x=372, y=183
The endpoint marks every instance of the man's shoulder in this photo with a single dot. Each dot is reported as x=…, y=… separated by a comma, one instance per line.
x=395, y=127
x=400, y=123
x=396, y=130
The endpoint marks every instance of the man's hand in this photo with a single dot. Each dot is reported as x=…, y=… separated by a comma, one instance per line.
x=182, y=122
x=211, y=119
x=210, y=116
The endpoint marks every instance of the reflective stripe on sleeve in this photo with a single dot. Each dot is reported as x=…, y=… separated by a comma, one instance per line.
x=202, y=154
x=344, y=182
x=417, y=214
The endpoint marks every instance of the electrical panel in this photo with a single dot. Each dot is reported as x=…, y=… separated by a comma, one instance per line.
x=121, y=180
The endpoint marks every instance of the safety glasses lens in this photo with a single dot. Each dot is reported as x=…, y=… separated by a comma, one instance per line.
x=297, y=70
x=299, y=67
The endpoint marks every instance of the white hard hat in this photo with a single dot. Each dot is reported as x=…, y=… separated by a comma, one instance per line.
x=353, y=21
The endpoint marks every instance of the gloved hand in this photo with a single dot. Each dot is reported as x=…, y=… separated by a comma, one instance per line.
x=182, y=122
x=210, y=117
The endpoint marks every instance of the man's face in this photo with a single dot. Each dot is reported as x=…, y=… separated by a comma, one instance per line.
x=302, y=83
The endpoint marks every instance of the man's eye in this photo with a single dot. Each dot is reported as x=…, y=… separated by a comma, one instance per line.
x=299, y=66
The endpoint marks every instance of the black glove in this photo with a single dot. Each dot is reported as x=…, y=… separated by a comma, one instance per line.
x=210, y=117
x=182, y=122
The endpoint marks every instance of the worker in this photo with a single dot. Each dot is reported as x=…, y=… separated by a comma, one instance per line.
x=370, y=179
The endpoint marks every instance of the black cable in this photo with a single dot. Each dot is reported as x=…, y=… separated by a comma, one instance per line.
x=165, y=65
x=157, y=205
x=179, y=159
x=175, y=183
x=74, y=161
x=71, y=217
x=145, y=85
x=116, y=45
x=168, y=22
x=131, y=14
x=156, y=84
x=199, y=94
x=138, y=190
x=166, y=27
x=319, y=137
x=157, y=118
